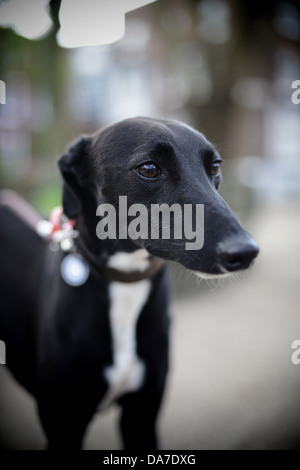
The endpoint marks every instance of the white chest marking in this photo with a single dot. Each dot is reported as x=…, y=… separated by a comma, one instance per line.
x=136, y=261
x=127, y=372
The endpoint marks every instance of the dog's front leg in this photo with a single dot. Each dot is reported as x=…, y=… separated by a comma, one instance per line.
x=140, y=408
x=65, y=413
x=64, y=427
x=139, y=412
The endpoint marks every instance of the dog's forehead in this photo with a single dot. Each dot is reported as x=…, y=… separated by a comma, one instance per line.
x=135, y=133
x=185, y=135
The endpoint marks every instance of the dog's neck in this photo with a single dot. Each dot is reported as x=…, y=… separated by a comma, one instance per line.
x=116, y=260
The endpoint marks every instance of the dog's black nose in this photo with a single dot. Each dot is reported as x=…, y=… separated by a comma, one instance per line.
x=235, y=255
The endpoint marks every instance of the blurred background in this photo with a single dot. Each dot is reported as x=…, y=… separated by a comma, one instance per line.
x=226, y=68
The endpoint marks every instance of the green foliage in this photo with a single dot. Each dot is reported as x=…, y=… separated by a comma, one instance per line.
x=45, y=198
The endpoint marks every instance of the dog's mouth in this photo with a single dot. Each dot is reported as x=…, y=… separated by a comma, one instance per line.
x=213, y=276
x=213, y=264
x=216, y=276
x=220, y=272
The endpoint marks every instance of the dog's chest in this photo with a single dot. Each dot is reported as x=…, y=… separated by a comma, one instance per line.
x=127, y=371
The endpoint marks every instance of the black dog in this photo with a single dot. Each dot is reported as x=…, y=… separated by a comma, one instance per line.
x=78, y=348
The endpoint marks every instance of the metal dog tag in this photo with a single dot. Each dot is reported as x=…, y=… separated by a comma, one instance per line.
x=74, y=270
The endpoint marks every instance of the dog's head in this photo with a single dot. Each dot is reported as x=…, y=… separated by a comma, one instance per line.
x=154, y=162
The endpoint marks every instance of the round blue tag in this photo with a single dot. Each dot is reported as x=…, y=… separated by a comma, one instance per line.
x=74, y=270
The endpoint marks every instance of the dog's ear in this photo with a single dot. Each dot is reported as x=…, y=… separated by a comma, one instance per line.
x=74, y=167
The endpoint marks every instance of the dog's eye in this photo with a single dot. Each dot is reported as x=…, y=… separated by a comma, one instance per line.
x=215, y=169
x=148, y=170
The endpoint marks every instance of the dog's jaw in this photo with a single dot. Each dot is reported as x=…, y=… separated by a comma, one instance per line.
x=212, y=276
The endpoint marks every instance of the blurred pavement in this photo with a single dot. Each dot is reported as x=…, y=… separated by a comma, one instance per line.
x=232, y=384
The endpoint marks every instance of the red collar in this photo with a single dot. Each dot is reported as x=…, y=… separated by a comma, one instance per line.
x=56, y=219
x=61, y=230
